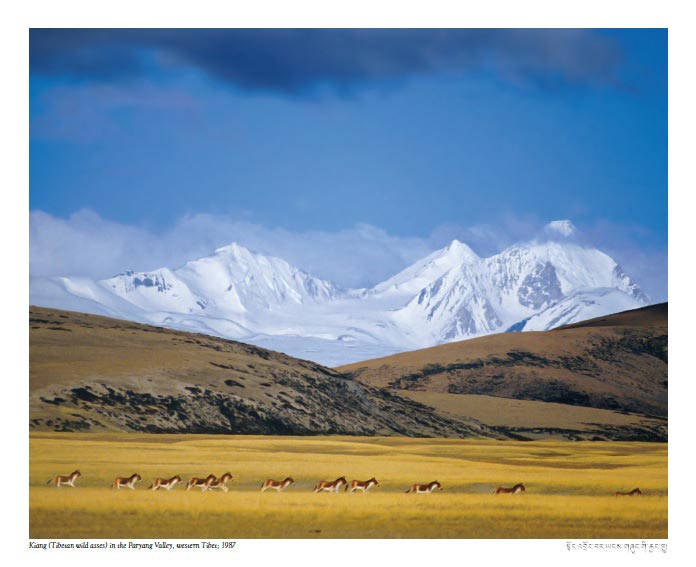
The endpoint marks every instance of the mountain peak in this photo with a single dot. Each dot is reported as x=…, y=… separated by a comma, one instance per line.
x=456, y=245
x=232, y=248
x=564, y=228
x=461, y=251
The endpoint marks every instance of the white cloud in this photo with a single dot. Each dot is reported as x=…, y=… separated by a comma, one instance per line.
x=86, y=244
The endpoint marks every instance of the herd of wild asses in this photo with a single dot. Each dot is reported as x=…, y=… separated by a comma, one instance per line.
x=211, y=482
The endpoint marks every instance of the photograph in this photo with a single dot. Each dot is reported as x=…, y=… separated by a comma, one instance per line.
x=347, y=283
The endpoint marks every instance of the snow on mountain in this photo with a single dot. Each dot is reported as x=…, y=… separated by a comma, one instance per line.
x=453, y=306
x=410, y=281
x=471, y=296
x=533, y=275
x=232, y=281
x=160, y=290
x=256, y=281
x=79, y=294
x=579, y=306
x=451, y=294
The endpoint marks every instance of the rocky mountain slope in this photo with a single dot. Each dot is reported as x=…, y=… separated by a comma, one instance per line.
x=92, y=373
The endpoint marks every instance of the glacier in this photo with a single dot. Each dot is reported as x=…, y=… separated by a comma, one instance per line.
x=452, y=294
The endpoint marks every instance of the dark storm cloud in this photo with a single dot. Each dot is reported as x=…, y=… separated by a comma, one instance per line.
x=297, y=61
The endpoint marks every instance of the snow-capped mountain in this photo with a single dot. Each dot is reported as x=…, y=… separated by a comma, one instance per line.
x=470, y=296
x=410, y=281
x=452, y=294
x=232, y=281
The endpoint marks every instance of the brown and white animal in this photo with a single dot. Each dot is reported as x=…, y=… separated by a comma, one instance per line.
x=425, y=488
x=634, y=492
x=220, y=483
x=128, y=482
x=276, y=485
x=201, y=483
x=517, y=489
x=165, y=483
x=364, y=486
x=69, y=480
x=335, y=486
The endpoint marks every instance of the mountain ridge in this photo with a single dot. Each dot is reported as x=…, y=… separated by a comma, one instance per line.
x=451, y=294
x=93, y=373
x=616, y=362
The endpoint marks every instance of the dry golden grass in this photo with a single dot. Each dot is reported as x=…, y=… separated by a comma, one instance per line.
x=93, y=373
x=569, y=488
x=508, y=412
x=617, y=363
x=92, y=348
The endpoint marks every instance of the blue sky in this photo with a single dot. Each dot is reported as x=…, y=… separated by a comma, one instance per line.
x=411, y=136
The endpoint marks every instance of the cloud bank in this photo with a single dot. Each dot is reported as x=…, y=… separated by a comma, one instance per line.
x=85, y=244
x=303, y=61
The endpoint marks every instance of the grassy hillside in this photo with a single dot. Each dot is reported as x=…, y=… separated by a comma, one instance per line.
x=92, y=373
x=569, y=488
x=603, y=379
x=616, y=363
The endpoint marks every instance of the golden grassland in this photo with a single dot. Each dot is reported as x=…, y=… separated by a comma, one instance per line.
x=569, y=488
x=509, y=412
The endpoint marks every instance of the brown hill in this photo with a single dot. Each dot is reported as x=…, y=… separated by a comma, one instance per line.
x=93, y=373
x=616, y=363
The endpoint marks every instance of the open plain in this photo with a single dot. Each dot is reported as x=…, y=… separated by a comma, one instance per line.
x=569, y=487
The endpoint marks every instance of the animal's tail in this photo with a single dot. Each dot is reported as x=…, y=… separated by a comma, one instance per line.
x=409, y=490
x=50, y=480
x=316, y=488
x=151, y=486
